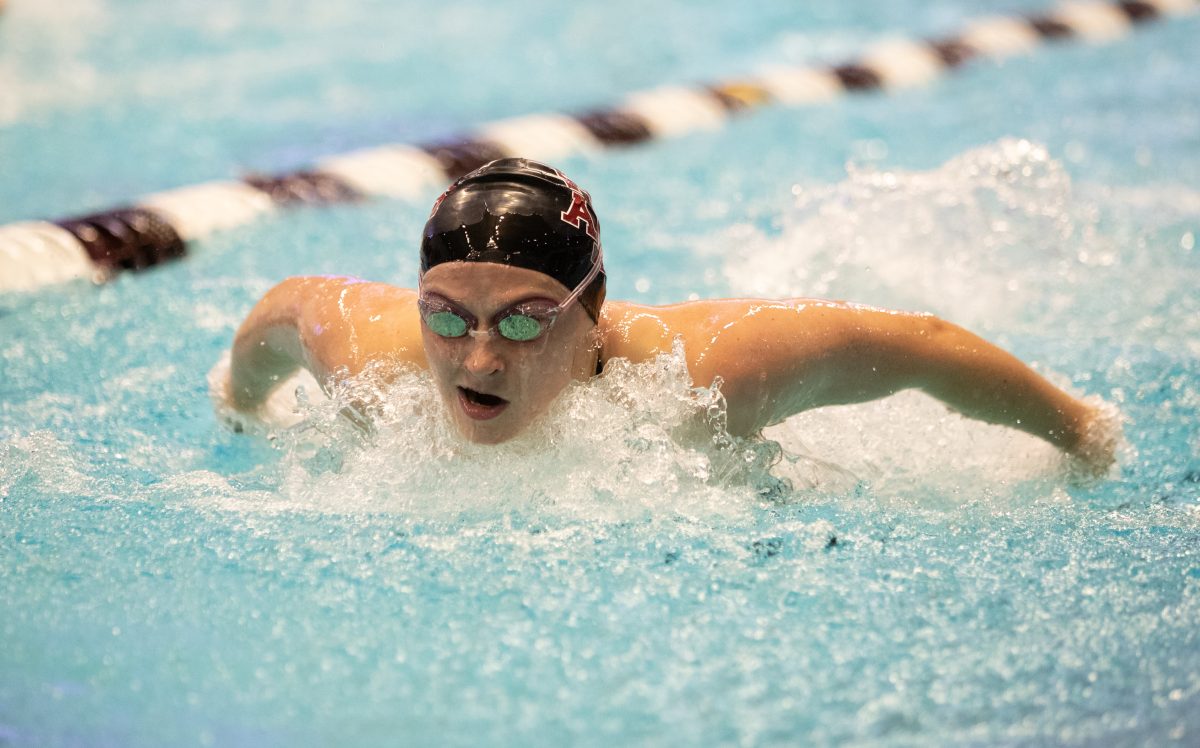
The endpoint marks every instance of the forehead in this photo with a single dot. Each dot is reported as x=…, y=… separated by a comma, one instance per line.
x=490, y=284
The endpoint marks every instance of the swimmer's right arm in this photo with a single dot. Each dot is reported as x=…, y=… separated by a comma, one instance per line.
x=267, y=348
x=324, y=324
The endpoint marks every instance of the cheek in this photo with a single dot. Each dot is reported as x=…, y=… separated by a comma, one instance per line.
x=542, y=376
x=442, y=356
x=439, y=352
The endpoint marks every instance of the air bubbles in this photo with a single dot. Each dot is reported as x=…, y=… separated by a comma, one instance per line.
x=887, y=452
x=639, y=441
x=41, y=460
x=996, y=238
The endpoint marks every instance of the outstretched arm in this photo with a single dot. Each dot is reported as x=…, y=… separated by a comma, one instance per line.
x=323, y=324
x=776, y=359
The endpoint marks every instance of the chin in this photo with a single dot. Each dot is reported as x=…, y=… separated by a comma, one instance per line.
x=475, y=437
x=473, y=433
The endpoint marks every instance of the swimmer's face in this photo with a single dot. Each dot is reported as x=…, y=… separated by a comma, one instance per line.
x=494, y=387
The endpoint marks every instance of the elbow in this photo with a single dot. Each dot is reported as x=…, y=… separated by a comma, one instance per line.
x=267, y=346
x=915, y=354
x=935, y=348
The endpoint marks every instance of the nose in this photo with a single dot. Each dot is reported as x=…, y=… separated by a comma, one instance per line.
x=483, y=358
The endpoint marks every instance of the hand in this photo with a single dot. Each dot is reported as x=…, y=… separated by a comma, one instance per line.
x=1094, y=454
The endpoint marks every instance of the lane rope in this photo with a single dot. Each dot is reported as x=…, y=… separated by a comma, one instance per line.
x=160, y=227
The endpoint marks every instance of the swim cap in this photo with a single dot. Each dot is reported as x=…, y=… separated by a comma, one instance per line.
x=518, y=212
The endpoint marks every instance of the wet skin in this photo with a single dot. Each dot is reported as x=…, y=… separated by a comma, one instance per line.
x=494, y=387
x=774, y=358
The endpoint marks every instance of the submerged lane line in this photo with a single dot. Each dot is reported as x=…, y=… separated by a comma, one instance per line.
x=158, y=227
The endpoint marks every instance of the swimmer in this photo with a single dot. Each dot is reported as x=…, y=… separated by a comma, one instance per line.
x=510, y=309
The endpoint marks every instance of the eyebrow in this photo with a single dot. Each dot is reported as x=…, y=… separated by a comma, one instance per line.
x=502, y=308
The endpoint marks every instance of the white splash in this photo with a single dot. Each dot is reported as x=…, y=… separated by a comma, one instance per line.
x=991, y=235
x=994, y=239
x=45, y=461
x=640, y=441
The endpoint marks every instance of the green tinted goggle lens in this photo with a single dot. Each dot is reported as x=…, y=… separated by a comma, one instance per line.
x=447, y=324
x=516, y=327
x=519, y=327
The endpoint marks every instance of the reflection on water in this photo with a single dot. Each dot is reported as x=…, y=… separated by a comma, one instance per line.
x=887, y=572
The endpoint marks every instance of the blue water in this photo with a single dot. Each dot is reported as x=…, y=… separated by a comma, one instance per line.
x=882, y=574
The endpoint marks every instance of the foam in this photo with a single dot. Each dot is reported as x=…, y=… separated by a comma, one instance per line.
x=910, y=451
x=998, y=239
x=974, y=240
x=640, y=442
x=280, y=410
x=994, y=237
x=45, y=460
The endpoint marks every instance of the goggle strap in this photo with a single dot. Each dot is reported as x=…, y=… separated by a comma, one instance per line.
x=587, y=281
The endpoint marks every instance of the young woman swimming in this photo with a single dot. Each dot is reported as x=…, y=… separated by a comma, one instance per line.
x=510, y=309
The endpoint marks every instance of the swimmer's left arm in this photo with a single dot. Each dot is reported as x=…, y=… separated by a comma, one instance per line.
x=776, y=359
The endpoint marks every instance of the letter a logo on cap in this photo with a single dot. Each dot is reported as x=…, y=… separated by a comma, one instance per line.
x=580, y=213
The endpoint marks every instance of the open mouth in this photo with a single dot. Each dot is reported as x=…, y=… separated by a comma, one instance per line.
x=480, y=405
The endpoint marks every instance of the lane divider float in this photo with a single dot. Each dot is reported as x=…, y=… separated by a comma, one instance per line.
x=159, y=227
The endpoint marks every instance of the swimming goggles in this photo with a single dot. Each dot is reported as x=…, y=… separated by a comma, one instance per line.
x=521, y=323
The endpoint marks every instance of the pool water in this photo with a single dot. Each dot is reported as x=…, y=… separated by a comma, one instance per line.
x=879, y=574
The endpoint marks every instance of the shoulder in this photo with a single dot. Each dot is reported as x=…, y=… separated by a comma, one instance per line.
x=633, y=331
x=734, y=338
x=626, y=318
x=351, y=322
x=639, y=332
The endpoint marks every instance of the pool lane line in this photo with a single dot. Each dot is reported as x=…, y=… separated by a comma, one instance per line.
x=159, y=227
